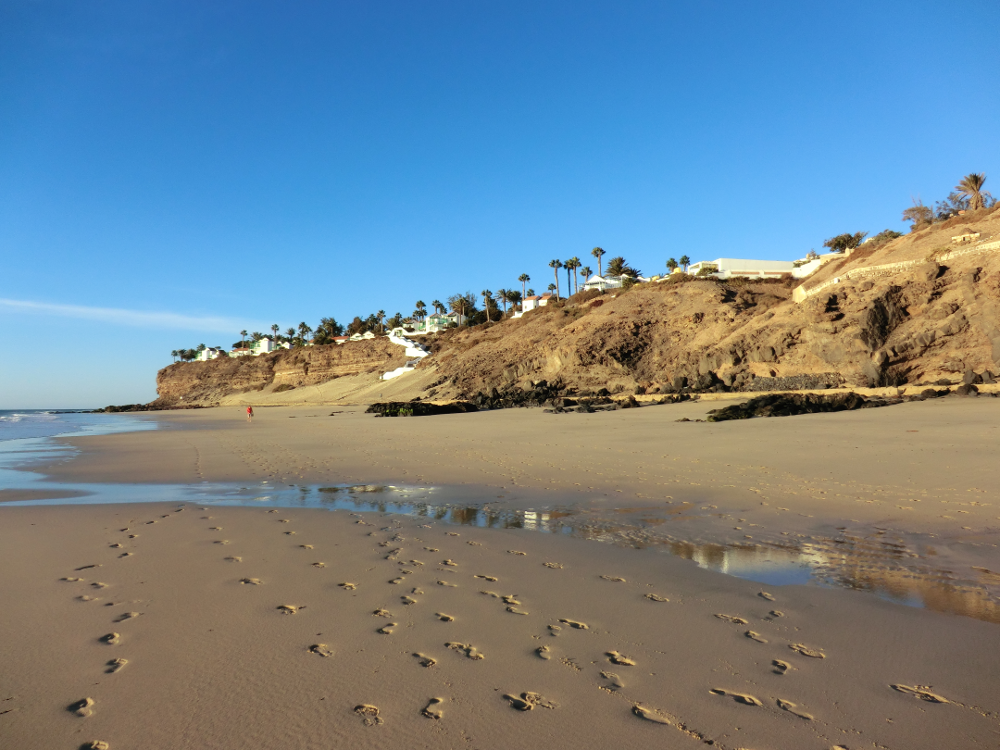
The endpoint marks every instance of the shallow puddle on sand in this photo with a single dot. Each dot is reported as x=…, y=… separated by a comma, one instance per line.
x=875, y=564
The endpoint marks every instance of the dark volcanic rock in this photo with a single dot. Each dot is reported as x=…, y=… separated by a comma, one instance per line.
x=781, y=405
x=418, y=409
x=795, y=383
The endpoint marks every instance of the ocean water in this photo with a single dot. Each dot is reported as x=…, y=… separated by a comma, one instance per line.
x=18, y=424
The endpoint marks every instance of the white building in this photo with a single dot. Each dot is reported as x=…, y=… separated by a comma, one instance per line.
x=264, y=346
x=603, y=283
x=362, y=336
x=210, y=353
x=241, y=352
x=538, y=300
x=437, y=322
x=727, y=268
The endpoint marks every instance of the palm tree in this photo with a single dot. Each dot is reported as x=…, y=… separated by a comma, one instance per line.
x=380, y=315
x=304, y=331
x=618, y=267
x=174, y=354
x=524, y=279
x=555, y=265
x=671, y=264
x=598, y=253
x=421, y=308
x=529, y=293
x=274, y=330
x=243, y=339
x=289, y=334
x=256, y=336
x=972, y=186
x=502, y=298
x=685, y=262
x=438, y=307
x=586, y=272
x=568, y=265
x=576, y=281
x=487, y=296
x=514, y=298
x=554, y=288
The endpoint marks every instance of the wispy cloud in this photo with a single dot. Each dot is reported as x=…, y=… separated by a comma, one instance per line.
x=132, y=318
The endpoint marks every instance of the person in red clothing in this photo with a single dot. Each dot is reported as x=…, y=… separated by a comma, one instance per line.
x=249, y=414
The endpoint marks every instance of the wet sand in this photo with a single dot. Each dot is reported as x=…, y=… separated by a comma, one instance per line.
x=214, y=662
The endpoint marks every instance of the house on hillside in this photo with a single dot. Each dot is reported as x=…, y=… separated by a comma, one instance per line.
x=727, y=268
x=210, y=353
x=241, y=352
x=437, y=322
x=340, y=339
x=265, y=346
x=362, y=336
x=603, y=283
x=538, y=300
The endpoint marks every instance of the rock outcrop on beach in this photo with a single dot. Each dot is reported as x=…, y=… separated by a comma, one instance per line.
x=919, y=310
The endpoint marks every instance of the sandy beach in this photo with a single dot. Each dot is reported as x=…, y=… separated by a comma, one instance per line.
x=230, y=627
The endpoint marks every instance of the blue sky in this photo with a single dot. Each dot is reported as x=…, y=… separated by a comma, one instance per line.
x=172, y=172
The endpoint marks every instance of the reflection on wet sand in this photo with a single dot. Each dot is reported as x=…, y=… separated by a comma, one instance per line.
x=874, y=563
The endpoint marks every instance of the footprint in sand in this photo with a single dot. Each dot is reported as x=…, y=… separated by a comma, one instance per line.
x=82, y=707
x=251, y=581
x=125, y=554
x=382, y=613
x=133, y=536
x=450, y=563
x=776, y=613
x=515, y=552
x=369, y=714
x=288, y=533
x=72, y=580
x=744, y=698
x=115, y=665
x=417, y=563
x=288, y=609
x=755, y=636
x=573, y=624
x=475, y=544
x=449, y=585
x=793, y=709
x=765, y=595
x=306, y=546
x=544, y=652
x=426, y=661
x=920, y=691
x=215, y=528
x=614, y=682
x=126, y=616
x=430, y=710
x=491, y=579
x=806, y=651
x=733, y=619
x=222, y=541
x=348, y=586
x=657, y=598
x=233, y=558
x=116, y=545
x=615, y=658
x=112, y=639
x=99, y=585
x=781, y=667
x=86, y=598
x=516, y=611
x=467, y=649
x=319, y=565
x=320, y=649
x=396, y=581
x=283, y=520
x=432, y=549
x=527, y=701
x=407, y=600
x=453, y=533
x=650, y=714
x=95, y=745
x=417, y=592
x=272, y=511
x=613, y=579
x=387, y=628
x=510, y=599
x=490, y=593
x=443, y=617
x=553, y=565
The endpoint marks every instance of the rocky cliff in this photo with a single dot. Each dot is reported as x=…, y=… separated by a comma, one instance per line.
x=917, y=310
x=206, y=383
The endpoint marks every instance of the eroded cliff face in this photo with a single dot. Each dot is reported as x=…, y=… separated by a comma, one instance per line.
x=932, y=321
x=206, y=383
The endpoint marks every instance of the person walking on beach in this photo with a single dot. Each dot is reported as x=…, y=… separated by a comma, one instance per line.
x=249, y=414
